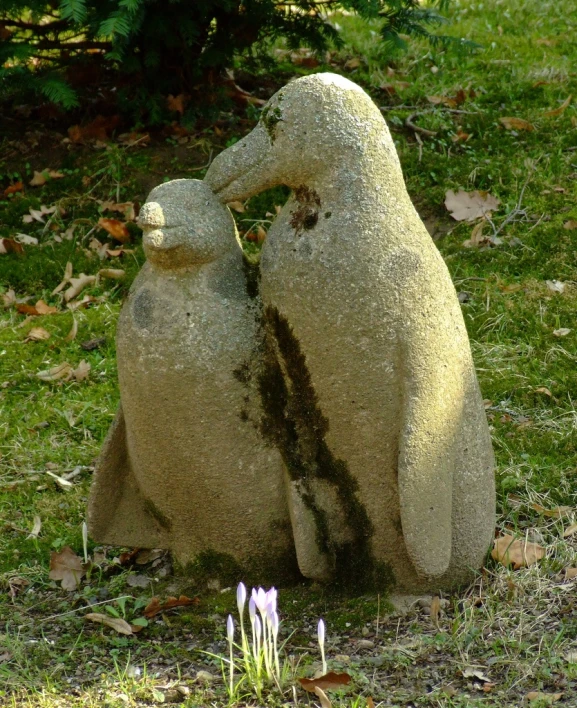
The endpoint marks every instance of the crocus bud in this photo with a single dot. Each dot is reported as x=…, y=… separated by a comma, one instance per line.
x=252, y=609
x=321, y=633
x=230, y=628
x=240, y=598
x=257, y=628
x=271, y=596
x=274, y=623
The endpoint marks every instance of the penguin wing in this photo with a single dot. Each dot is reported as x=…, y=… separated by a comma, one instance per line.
x=117, y=511
x=434, y=350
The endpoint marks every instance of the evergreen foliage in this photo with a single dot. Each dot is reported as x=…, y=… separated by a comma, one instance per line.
x=155, y=46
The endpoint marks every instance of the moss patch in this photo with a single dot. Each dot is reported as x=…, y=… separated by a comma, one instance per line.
x=297, y=426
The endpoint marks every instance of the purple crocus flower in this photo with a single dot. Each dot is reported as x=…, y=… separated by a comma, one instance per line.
x=240, y=598
x=230, y=628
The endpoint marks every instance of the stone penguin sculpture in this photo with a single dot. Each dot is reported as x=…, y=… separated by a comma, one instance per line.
x=377, y=411
x=184, y=466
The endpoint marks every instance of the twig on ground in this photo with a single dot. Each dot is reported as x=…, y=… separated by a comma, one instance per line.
x=417, y=128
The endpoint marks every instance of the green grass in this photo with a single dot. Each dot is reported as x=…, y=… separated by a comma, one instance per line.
x=521, y=630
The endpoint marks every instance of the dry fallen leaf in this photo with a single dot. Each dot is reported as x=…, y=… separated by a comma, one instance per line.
x=40, y=178
x=467, y=206
x=125, y=208
x=561, y=109
x=40, y=308
x=36, y=528
x=117, y=229
x=112, y=273
x=77, y=285
x=323, y=698
x=557, y=513
x=155, y=606
x=26, y=240
x=37, y=334
x=555, y=286
x=237, y=206
x=61, y=371
x=512, y=551
x=370, y=702
x=9, y=245
x=435, y=609
x=569, y=225
x=13, y=188
x=67, y=276
x=545, y=697
x=570, y=573
x=67, y=567
x=516, y=124
x=71, y=336
x=176, y=103
x=38, y=214
x=570, y=531
x=85, y=302
x=330, y=681
x=117, y=623
x=561, y=332
x=475, y=673
x=81, y=372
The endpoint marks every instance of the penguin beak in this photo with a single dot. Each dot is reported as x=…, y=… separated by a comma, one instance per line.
x=244, y=169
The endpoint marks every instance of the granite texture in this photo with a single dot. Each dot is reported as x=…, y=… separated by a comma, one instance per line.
x=185, y=465
x=369, y=390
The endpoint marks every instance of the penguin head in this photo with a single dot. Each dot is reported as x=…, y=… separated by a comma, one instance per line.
x=184, y=224
x=313, y=126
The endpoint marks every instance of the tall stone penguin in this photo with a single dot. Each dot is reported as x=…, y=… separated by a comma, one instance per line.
x=184, y=466
x=370, y=392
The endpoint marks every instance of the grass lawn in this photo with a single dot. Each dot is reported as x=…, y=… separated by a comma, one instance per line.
x=510, y=635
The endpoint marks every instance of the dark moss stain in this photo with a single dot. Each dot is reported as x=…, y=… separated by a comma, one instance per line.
x=270, y=117
x=252, y=278
x=270, y=568
x=243, y=374
x=161, y=518
x=306, y=215
x=328, y=214
x=143, y=308
x=295, y=423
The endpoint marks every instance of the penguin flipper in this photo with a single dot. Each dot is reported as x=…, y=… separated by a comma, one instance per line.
x=117, y=510
x=434, y=357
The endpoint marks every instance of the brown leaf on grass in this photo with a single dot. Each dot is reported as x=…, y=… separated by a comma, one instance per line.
x=98, y=129
x=560, y=110
x=557, y=513
x=117, y=623
x=37, y=334
x=9, y=298
x=67, y=567
x=177, y=103
x=517, y=124
x=435, y=609
x=570, y=531
x=570, y=225
x=449, y=101
x=85, y=302
x=475, y=674
x=480, y=240
x=512, y=551
x=39, y=309
x=40, y=178
x=237, y=206
x=155, y=607
x=118, y=252
x=460, y=136
x=26, y=240
x=112, y=273
x=556, y=286
x=370, y=702
x=328, y=682
x=127, y=209
x=570, y=573
x=543, y=697
x=81, y=372
x=561, y=332
x=468, y=206
x=16, y=585
x=71, y=336
x=91, y=344
x=13, y=188
x=323, y=698
x=9, y=245
x=117, y=229
x=38, y=214
x=77, y=285
x=55, y=373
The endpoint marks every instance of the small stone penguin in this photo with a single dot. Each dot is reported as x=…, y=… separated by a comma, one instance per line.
x=185, y=466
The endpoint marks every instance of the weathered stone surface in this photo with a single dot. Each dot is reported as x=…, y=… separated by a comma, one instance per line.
x=369, y=386
x=185, y=466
